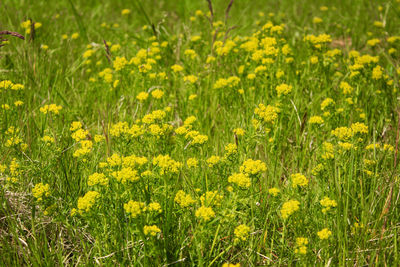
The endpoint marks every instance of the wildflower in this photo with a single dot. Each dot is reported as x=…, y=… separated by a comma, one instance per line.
x=268, y=113
x=192, y=163
x=184, y=200
x=377, y=73
x=289, y=207
x=177, y=68
x=75, y=36
x=86, y=202
x=190, y=78
x=134, y=208
x=213, y=160
x=157, y=94
x=274, y=191
x=205, y=213
x=242, y=180
x=125, y=11
x=373, y=42
x=241, y=232
x=239, y=132
x=327, y=203
x=50, y=108
x=327, y=102
x=166, y=164
x=192, y=97
x=154, y=207
x=317, y=20
x=151, y=230
x=347, y=89
x=283, y=89
x=316, y=120
x=253, y=167
x=299, y=179
x=40, y=191
x=301, y=243
x=97, y=178
x=126, y=174
x=324, y=233
x=343, y=133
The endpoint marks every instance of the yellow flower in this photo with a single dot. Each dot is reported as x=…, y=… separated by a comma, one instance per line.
x=40, y=191
x=184, y=200
x=213, y=160
x=151, y=230
x=239, y=132
x=324, y=233
x=205, y=213
x=274, y=191
x=301, y=243
x=317, y=20
x=240, y=179
x=241, y=232
x=283, y=89
x=157, y=94
x=97, y=178
x=177, y=68
x=289, y=207
x=316, y=120
x=268, y=113
x=327, y=203
x=134, y=208
x=299, y=179
x=125, y=11
x=253, y=167
x=192, y=163
x=86, y=202
x=75, y=36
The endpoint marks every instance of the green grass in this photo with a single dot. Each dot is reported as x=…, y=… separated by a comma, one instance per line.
x=47, y=164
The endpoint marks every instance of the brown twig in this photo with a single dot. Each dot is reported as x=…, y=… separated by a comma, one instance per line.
x=211, y=18
x=15, y=34
x=227, y=10
x=32, y=33
x=108, y=53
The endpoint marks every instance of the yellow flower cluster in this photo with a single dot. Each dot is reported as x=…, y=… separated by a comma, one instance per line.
x=135, y=208
x=327, y=203
x=316, y=120
x=240, y=179
x=205, y=213
x=166, y=164
x=151, y=230
x=301, y=243
x=229, y=82
x=53, y=108
x=125, y=175
x=289, y=207
x=40, y=191
x=268, y=113
x=97, y=179
x=283, y=89
x=184, y=200
x=274, y=191
x=299, y=179
x=241, y=232
x=324, y=233
x=253, y=167
x=86, y=202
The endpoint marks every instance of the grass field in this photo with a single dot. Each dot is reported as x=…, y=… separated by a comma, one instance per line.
x=199, y=133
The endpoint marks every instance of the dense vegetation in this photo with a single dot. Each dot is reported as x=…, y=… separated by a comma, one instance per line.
x=199, y=133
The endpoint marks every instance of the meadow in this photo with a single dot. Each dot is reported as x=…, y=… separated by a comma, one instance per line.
x=199, y=133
